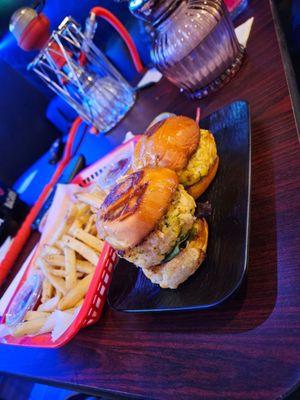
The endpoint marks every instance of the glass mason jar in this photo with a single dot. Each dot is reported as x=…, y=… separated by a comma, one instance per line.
x=194, y=44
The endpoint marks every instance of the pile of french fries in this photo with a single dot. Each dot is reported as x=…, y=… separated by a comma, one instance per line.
x=67, y=263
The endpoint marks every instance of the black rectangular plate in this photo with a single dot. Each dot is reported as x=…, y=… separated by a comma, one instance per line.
x=225, y=266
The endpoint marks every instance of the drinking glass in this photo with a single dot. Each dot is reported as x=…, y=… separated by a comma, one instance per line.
x=194, y=43
x=79, y=72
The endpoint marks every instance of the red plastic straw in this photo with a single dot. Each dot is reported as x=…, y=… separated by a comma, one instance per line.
x=120, y=28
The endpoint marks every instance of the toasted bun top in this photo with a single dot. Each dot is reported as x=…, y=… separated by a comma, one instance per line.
x=168, y=143
x=133, y=207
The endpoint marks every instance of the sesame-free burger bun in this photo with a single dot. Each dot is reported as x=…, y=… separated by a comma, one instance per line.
x=134, y=207
x=168, y=143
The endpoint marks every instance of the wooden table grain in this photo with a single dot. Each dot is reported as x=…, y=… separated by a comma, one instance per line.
x=247, y=348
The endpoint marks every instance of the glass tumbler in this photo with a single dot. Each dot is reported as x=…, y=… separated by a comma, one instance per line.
x=78, y=71
x=194, y=43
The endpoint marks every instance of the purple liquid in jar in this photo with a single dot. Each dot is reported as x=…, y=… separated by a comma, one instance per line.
x=194, y=45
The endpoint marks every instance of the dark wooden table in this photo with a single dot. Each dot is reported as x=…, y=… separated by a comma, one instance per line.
x=248, y=348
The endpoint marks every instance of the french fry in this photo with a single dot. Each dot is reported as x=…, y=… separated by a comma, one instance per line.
x=62, y=273
x=82, y=207
x=85, y=266
x=64, y=225
x=51, y=304
x=98, y=191
x=35, y=314
x=92, y=199
x=61, y=229
x=90, y=223
x=79, y=304
x=83, y=210
x=29, y=327
x=58, y=272
x=75, y=294
x=59, y=261
x=82, y=249
x=95, y=188
x=77, y=224
x=47, y=290
x=70, y=268
x=94, y=232
x=55, y=281
x=47, y=249
x=55, y=260
x=87, y=238
x=60, y=245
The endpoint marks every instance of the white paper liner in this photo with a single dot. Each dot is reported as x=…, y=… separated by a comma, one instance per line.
x=58, y=323
x=4, y=330
x=5, y=247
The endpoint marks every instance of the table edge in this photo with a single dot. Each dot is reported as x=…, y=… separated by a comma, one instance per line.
x=288, y=68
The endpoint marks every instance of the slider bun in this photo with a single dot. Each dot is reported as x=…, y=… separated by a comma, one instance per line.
x=199, y=187
x=133, y=207
x=168, y=143
x=171, y=274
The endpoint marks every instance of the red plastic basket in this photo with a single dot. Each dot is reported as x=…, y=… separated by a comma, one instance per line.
x=95, y=299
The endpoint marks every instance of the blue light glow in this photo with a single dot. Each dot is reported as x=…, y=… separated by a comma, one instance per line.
x=6, y=41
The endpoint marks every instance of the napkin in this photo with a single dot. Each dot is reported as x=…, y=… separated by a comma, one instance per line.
x=151, y=76
x=243, y=31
